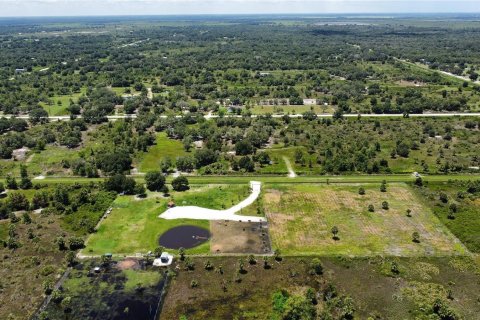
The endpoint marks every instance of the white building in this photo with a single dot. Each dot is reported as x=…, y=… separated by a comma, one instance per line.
x=165, y=260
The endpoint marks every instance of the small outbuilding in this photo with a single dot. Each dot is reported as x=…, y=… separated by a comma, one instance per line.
x=165, y=260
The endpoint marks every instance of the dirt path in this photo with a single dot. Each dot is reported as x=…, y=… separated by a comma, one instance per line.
x=291, y=173
x=198, y=213
x=55, y=287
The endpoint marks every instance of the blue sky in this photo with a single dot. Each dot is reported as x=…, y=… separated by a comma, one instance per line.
x=169, y=7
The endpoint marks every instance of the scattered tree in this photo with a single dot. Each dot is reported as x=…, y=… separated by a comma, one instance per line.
x=180, y=184
x=155, y=180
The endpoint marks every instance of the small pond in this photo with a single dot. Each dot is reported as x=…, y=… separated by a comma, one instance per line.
x=184, y=237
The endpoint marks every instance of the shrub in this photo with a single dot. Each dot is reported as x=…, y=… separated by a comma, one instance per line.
x=335, y=232
x=443, y=197
x=208, y=265
x=383, y=186
x=75, y=243
x=316, y=266
x=180, y=184
x=416, y=237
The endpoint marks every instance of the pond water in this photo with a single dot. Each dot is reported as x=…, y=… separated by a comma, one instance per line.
x=184, y=237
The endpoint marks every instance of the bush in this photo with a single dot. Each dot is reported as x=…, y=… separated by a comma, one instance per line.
x=443, y=197
x=180, y=184
x=383, y=186
x=385, y=205
x=416, y=237
x=75, y=243
x=316, y=266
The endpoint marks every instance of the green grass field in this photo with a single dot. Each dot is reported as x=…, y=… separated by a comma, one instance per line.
x=164, y=148
x=301, y=218
x=47, y=162
x=279, y=166
x=133, y=226
x=61, y=103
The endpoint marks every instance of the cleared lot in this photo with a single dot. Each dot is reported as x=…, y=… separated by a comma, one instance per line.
x=301, y=218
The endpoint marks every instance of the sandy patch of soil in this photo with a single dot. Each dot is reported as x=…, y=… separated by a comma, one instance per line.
x=239, y=237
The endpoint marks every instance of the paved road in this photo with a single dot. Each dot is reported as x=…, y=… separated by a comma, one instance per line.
x=445, y=73
x=321, y=115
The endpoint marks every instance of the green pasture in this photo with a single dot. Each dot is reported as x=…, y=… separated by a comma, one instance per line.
x=133, y=226
x=164, y=148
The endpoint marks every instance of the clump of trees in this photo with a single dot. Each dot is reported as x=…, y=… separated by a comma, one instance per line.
x=180, y=184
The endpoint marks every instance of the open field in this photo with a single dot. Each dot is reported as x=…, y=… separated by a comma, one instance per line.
x=164, y=148
x=60, y=103
x=375, y=291
x=301, y=218
x=133, y=226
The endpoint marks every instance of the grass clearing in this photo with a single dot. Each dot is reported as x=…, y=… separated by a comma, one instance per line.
x=137, y=278
x=47, y=162
x=60, y=103
x=133, y=226
x=164, y=148
x=301, y=218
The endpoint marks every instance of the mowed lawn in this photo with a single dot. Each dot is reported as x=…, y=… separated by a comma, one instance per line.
x=164, y=148
x=301, y=218
x=133, y=226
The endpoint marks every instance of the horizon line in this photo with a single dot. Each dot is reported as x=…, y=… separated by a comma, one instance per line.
x=246, y=14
